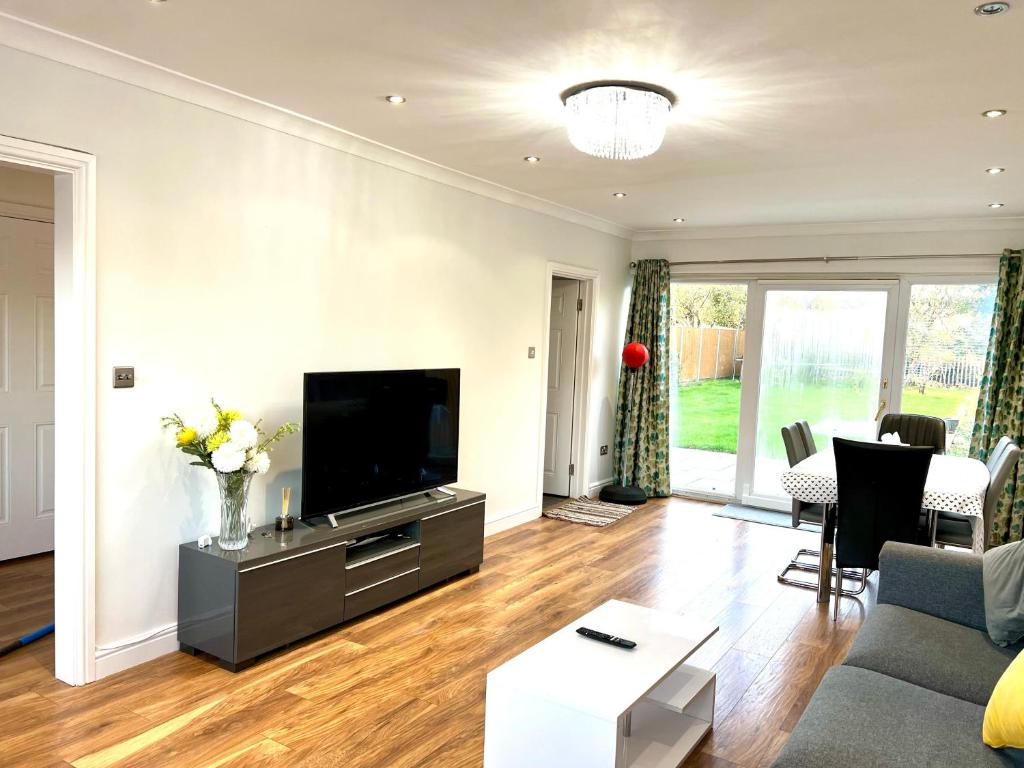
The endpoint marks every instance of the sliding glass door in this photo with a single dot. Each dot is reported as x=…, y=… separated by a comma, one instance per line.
x=826, y=358
x=707, y=346
x=749, y=357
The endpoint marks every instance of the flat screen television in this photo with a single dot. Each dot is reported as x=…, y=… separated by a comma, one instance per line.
x=372, y=436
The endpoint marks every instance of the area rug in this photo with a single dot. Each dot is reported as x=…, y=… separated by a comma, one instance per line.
x=589, y=511
x=763, y=516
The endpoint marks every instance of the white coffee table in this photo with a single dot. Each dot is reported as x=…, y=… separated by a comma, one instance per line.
x=573, y=702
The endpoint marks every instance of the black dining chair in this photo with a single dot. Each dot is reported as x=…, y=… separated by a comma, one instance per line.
x=916, y=429
x=880, y=489
x=799, y=444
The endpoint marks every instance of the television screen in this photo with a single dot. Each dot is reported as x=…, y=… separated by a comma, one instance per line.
x=370, y=436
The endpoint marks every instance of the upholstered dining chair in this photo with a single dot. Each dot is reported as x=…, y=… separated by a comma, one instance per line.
x=956, y=529
x=880, y=490
x=799, y=445
x=915, y=429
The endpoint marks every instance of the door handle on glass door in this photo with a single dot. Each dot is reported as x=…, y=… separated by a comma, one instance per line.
x=881, y=407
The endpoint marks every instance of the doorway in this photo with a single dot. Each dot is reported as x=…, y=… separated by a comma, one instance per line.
x=27, y=425
x=560, y=416
x=707, y=343
x=71, y=504
x=571, y=295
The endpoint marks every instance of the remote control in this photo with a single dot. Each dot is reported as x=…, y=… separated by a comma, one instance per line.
x=601, y=637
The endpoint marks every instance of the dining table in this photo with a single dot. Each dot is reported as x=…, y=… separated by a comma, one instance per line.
x=954, y=484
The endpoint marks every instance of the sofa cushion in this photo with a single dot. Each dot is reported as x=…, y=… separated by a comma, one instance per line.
x=1004, y=715
x=921, y=649
x=862, y=719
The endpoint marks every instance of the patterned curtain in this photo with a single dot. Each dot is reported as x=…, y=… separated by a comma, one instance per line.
x=1001, y=402
x=644, y=438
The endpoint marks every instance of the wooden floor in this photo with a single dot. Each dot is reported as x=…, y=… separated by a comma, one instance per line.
x=404, y=688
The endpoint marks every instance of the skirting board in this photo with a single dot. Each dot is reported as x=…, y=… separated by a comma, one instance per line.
x=600, y=484
x=511, y=521
x=134, y=652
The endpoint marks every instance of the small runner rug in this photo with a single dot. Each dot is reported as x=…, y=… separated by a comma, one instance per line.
x=764, y=516
x=589, y=511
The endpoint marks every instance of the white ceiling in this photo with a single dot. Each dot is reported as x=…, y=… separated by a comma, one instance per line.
x=789, y=110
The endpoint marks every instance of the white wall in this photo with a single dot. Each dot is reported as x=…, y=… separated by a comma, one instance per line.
x=233, y=257
x=25, y=187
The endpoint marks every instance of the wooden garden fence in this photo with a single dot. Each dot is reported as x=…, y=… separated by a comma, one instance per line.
x=707, y=353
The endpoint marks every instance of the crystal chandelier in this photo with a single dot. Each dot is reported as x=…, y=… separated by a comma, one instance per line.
x=617, y=119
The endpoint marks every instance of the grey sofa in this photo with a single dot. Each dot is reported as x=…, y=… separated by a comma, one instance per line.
x=913, y=688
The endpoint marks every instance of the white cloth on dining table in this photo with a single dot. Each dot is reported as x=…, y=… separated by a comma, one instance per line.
x=954, y=484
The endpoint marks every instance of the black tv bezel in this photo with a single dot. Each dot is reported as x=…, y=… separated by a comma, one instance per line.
x=342, y=511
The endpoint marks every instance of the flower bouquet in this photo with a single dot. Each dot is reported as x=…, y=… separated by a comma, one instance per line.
x=235, y=449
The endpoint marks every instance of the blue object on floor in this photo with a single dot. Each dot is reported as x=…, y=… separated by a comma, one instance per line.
x=23, y=641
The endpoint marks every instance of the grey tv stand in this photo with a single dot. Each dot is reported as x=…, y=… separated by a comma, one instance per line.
x=285, y=586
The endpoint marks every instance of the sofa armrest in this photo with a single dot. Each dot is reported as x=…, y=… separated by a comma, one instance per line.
x=944, y=584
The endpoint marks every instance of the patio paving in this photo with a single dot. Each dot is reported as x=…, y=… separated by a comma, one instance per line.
x=704, y=471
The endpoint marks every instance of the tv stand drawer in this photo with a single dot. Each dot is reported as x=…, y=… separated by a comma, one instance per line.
x=373, y=596
x=382, y=567
x=451, y=542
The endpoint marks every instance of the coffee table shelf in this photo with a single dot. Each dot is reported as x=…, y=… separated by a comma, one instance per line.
x=571, y=702
x=686, y=691
x=661, y=738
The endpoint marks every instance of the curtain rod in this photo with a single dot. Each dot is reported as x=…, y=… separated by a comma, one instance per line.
x=828, y=259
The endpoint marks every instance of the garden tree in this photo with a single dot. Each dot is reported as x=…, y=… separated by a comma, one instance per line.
x=942, y=319
x=695, y=305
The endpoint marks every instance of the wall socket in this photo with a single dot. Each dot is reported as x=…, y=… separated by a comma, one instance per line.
x=604, y=450
x=531, y=352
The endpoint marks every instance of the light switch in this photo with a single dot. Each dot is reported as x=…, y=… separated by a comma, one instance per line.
x=124, y=377
x=531, y=352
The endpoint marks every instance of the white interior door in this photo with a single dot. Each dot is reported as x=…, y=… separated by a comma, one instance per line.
x=565, y=297
x=26, y=388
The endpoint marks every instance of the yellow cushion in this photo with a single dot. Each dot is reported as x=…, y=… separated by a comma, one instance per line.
x=1004, y=715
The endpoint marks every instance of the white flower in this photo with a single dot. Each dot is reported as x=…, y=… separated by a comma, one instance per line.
x=229, y=457
x=259, y=463
x=244, y=433
x=206, y=422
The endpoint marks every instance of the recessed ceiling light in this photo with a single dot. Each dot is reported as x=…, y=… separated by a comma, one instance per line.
x=993, y=113
x=991, y=9
x=157, y=2
x=994, y=171
x=678, y=220
x=618, y=194
x=395, y=99
x=532, y=159
x=996, y=205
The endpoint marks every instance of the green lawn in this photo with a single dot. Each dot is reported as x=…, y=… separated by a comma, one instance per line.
x=706, y=414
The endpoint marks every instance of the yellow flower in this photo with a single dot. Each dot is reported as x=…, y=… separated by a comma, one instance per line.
x=186, y=436
x=226, y=417
x=216, y=440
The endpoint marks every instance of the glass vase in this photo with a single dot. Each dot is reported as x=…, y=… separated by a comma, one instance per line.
x=234, y=509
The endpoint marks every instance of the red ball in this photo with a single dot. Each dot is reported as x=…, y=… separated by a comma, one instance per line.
x=635, y=354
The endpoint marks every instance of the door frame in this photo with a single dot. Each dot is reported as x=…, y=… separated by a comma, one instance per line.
x=74, y=245
x=579, y=452
x=750, y=393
